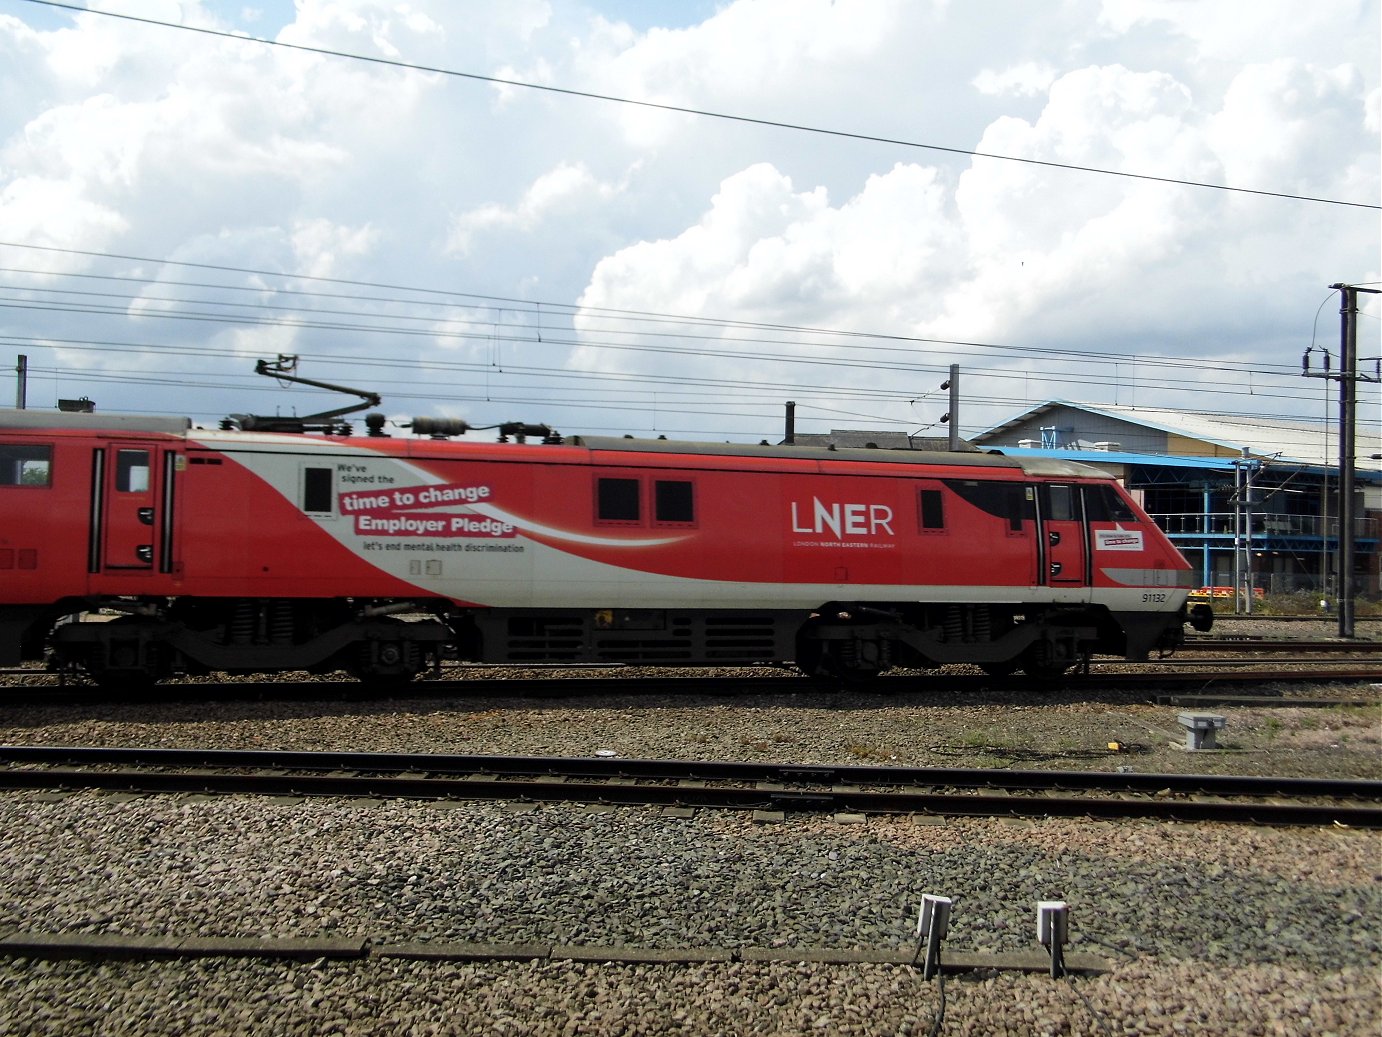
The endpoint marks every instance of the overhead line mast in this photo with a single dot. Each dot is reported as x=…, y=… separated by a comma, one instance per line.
x=1348, y=378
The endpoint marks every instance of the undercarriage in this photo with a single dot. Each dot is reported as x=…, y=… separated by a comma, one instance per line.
x=132, y=640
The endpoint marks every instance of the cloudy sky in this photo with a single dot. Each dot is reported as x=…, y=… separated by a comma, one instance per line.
x=670, y=218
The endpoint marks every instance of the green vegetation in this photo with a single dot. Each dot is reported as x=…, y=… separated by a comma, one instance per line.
x=1307, y=603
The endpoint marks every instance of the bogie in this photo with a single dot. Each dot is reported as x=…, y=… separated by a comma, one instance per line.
x=247, y=636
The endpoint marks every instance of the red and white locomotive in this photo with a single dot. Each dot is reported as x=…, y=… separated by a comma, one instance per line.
x=242, y=550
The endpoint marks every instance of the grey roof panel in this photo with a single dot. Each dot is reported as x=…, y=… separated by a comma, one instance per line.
x=11, y=418
x=1054, y=468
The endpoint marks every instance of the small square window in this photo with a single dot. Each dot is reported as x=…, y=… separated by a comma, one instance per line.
x=616, y=500
x=673, y=501
x=1061, y=504
x=132, y=471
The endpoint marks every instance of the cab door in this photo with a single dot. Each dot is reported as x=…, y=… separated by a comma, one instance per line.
x=1060, y=508
x=134, y=500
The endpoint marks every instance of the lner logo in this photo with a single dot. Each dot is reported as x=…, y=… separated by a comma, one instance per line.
x=840, y=519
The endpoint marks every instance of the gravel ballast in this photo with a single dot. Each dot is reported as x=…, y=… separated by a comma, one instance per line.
x=1206, y=929
x=1268, y=926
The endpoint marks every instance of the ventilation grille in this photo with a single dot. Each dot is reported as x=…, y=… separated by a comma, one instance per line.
x=674, y=639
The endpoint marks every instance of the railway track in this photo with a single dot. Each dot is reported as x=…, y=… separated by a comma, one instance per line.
x=38, y=688
x=773, y=788
x=1286, y=644
x=1248, y=646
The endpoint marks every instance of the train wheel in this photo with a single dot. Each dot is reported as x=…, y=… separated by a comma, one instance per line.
x=384, y=674
x=809, y=664
x=386, y=664
x=123, y=678
x=856, y=675
x=124, y=660
x=126, y=682
x=383, y=681
x=849, y=662
x=1041, y=663
x=810, y=660
x=1002, y=668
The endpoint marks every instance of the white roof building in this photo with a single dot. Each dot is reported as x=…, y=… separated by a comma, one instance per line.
x=1066, y=425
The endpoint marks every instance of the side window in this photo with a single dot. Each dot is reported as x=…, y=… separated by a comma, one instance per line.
x=23, y=465
x=673, y=502
x=931, y=508
x=1013, y=502
x=616, y=500
x=1019, y=502
x=132, y=471
x=318, y=490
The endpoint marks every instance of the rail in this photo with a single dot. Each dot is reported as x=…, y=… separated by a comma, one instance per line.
x=778, y=788
x=39, y=688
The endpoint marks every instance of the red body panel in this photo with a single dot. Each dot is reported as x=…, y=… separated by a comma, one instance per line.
x=220, y=530
x=247, y=550
x=238, y=538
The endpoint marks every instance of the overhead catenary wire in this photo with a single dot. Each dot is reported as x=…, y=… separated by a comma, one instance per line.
x=244, y=38
x=761, y=409
x=485, y=303
x=586, y=312
x=533, y=382
x=435, y=326
x=460, y=317
x=871, y=362
x=529, y=370
x=590, y=315
x=874, y=342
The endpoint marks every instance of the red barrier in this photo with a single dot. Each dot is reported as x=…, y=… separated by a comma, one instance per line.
x=1223, y=592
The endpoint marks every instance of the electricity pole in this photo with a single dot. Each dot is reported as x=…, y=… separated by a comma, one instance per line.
x=953, y=414
x=1244, y=497
x=1348, y=379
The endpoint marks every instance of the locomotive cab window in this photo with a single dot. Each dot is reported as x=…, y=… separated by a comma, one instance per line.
x=616, y=500
x=1104, y=504
x=24, y=465
x=132, y=471
x=674, y=503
